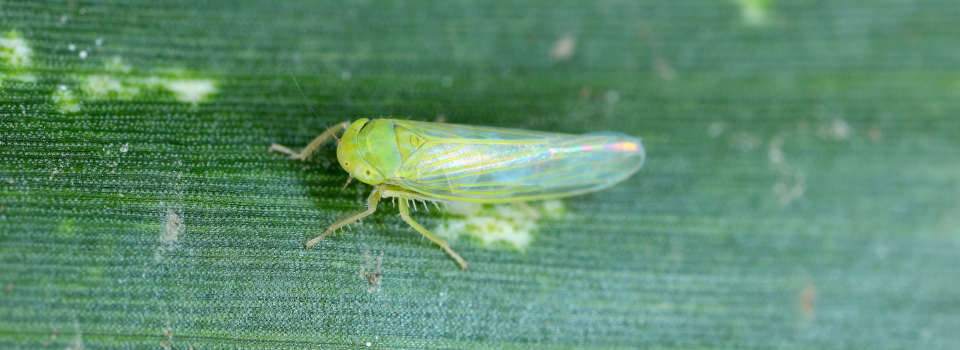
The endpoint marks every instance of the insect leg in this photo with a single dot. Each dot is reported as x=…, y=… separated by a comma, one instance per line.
x=312, y=146
x=371, y=207
x=405, y=215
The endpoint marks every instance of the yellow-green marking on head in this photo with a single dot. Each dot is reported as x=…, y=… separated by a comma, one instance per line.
x=348, y=153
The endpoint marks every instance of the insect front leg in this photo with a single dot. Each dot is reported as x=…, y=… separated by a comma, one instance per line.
x=371, y=207
x=312, y=146
x=405, y=215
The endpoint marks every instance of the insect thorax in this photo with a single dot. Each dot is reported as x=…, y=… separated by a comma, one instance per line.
x=407, y=141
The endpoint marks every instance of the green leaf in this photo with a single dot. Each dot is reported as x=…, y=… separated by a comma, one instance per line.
x=802, y=185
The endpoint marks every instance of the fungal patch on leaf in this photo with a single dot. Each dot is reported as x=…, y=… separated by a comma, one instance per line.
x=102, y=87
x=191, y=91
x=716, y=129
x=65, y=100
x=170, y=232
x=837, y=129
x=512, y=224
x=564, y=48
x=15, y=57
x=754, y=13
x=119, y=81
x=14, y=50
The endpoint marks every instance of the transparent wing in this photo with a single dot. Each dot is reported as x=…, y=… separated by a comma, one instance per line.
x=469, y=133
x=485, y=164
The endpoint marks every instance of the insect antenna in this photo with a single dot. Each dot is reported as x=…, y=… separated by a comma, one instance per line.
x=345, y=186
x=311, y=106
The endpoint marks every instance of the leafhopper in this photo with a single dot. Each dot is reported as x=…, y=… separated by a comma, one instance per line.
x=421, y=161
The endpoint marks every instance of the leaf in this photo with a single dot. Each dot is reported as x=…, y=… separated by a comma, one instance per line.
x=801, y=188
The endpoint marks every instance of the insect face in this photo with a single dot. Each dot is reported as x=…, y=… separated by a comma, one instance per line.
x=351, y=159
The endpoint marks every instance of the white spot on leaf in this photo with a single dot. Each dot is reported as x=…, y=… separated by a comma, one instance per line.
x=190, y=90
x=65, y=101
x=14, y=50
x=716, y=129
x=564, y=48
x=754, y=13
x=511, y=224
x=120, y=84
x=170, y=232
x=840, y=129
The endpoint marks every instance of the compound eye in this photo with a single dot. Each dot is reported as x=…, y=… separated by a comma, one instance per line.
x=364, y=172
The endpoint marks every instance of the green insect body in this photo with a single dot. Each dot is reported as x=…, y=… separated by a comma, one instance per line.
x=445, y=162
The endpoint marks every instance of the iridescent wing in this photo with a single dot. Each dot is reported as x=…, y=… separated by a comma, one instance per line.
x=484, y=164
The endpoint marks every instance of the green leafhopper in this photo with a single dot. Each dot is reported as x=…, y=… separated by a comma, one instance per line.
x=422, y=161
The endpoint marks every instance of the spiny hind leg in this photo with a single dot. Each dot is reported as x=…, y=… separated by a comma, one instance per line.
x=405, y=215
x=312, y=146
x=371, y=207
